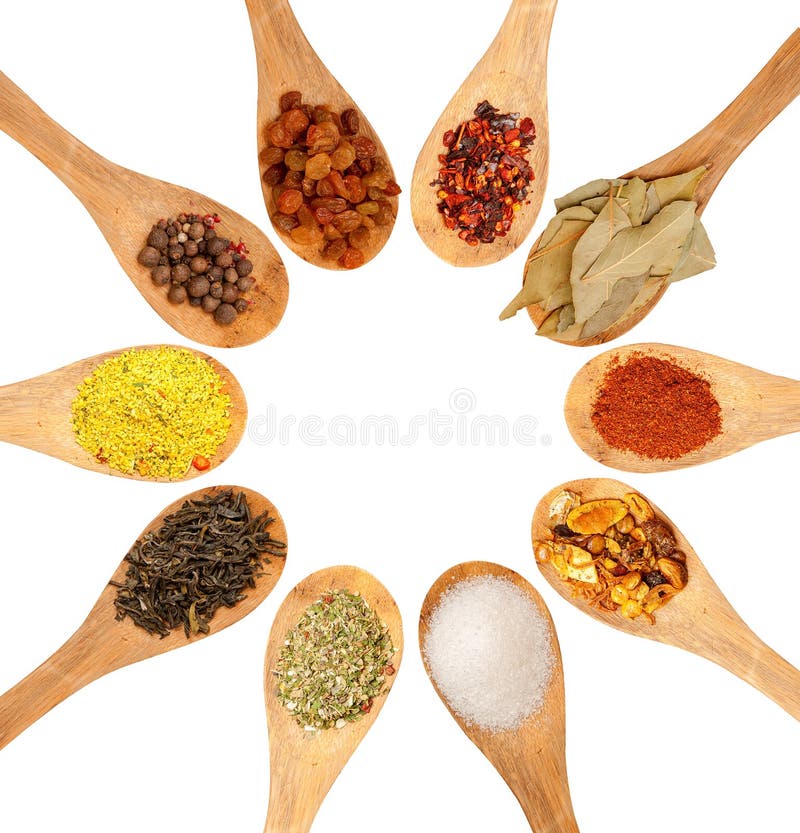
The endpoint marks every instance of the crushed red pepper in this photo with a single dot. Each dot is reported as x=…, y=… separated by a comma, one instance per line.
x=484, y=176
x=655, y=408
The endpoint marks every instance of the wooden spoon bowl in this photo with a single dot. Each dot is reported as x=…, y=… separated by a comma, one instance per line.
x=716, y=146
x=304, y=765
x=286, y=62
x=126, y=204
x=698, y=618
x=755, y=406
x=37, y=414
x=102, y=644
x=512, y=76
x=531, y=759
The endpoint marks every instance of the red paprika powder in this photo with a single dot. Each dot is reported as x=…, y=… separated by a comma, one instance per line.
x=655, y=408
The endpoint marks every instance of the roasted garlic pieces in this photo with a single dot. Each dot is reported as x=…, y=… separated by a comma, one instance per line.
x=618, y=555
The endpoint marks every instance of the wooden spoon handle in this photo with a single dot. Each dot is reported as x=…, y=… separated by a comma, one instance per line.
x=23, y=415
x=779, y=406
x=76, y=165
x=276, y=32
x=547, y=811
x=526, y=28
x=720, y=142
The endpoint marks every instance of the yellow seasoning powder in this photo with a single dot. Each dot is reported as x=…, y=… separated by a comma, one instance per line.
x=152, y=411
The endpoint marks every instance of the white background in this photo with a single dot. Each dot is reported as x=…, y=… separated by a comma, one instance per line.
x=657, y=739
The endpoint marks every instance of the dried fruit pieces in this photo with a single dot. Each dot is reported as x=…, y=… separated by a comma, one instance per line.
x=613, y=245
x=616, y=554
x=484, y=175
x=329, y=186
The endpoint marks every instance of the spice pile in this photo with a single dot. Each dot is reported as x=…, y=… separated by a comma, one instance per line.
x=329, y=185
x=488, y=651
x=616, y=554
x=155, y=411
x=655, y=408
x=197, y=264
x=614, y=244
x=204, y=556
x=334, y=662
x=484, y=175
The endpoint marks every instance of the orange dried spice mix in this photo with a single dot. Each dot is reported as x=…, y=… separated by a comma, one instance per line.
x=329, y=185
x=617, y=555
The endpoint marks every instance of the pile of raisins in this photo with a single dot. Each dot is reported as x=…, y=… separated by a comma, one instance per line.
x=329, y=186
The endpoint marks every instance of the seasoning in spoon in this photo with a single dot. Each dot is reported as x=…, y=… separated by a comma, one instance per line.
x=199, y=266
x=329, y=185
x=612, y=246
x=154, y=411
x=204, y=556
x=617, y=555
x=334, y=662
x=655, y=408
x=484, y=175
x=488, y=649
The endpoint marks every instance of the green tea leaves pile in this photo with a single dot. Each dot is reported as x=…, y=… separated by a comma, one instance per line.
x=334, y=662
x=612, y=246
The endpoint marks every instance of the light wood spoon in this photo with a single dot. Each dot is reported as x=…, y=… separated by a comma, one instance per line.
x=303, y=765
x=126, y=204
x=716, y=146
x=512, y=76
x=755, y=406
x=286, y=61
x=531, y=759
x=37, y=414
x=698, y=618
x=102, y=644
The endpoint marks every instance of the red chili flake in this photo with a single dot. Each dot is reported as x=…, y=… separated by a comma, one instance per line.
x=366, y=707
x=389, y=670
x=327, y=599
x=99, y=456
x=201, y=463
x=484, y=177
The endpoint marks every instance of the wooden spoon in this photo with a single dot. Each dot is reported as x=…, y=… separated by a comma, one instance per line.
x=126, y=204
x=102, y=644
x=755, y=406
x=304, y=765
x=698, y=618
x=716, y=146
x=286, y=61
x=530, y=759
x=512, y=76
x=37, y=414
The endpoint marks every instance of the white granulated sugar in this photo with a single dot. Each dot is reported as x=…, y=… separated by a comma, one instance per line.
x=488, y=650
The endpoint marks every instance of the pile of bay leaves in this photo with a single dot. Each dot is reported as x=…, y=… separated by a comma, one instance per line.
x=613, y=245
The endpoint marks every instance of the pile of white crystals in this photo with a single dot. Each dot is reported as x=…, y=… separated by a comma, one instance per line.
x=488, y=650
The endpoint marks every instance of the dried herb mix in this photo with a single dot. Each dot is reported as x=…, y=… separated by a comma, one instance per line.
x=484, y=175
x=155, y=412
x=199, y=265
x=612, y=246
x=204, y=556
x=655, y=408
x=329, y=185
x=618, y=555
x=334, y=662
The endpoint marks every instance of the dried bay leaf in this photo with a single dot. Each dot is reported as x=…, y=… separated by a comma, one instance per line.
x=566, y=318
x=611, y=220
x=681, y=187
x=634, y=251
x=622, y=296
x=652, y=204
x=595, y=188
x=698, y=255
x=635, y=193
x=575, y=212
x=596, y=204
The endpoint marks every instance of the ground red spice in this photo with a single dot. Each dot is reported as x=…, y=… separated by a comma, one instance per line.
x=655, y=408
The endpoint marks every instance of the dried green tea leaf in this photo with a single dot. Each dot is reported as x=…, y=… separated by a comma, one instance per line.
x=595, y=188
x=635, y=193
x=611, y=220
x=697, y=255
x=622, y=295
x=652, y=205
x=681, y=187
x=547, y=269
x=634, y=251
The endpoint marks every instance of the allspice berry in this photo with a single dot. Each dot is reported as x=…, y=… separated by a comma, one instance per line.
x=224, y=260
x=149, y=257
x=216, y=290
x=215, y=246
x=190, y=248
x=196, y=231
x=210, y=304
x=231, y=275
x=225, y=314
x=245, y=283
x=198, y=286
x=160, y=275
x=181, y=273
x=175, y=251
x=198, y=265
x=158, y=238
x=177, y=294
x=244, y=267
x=229, y=293
x=241, y=305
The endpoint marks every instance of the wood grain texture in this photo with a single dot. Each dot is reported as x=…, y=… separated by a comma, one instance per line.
x=102, y=644
x=698, y=619
x=286, y=61
x=512, y=76
x=125, y=204
x=37, y=414
x=531, y=759
x=755, y=406
x=717, y=146
x=304, y=765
